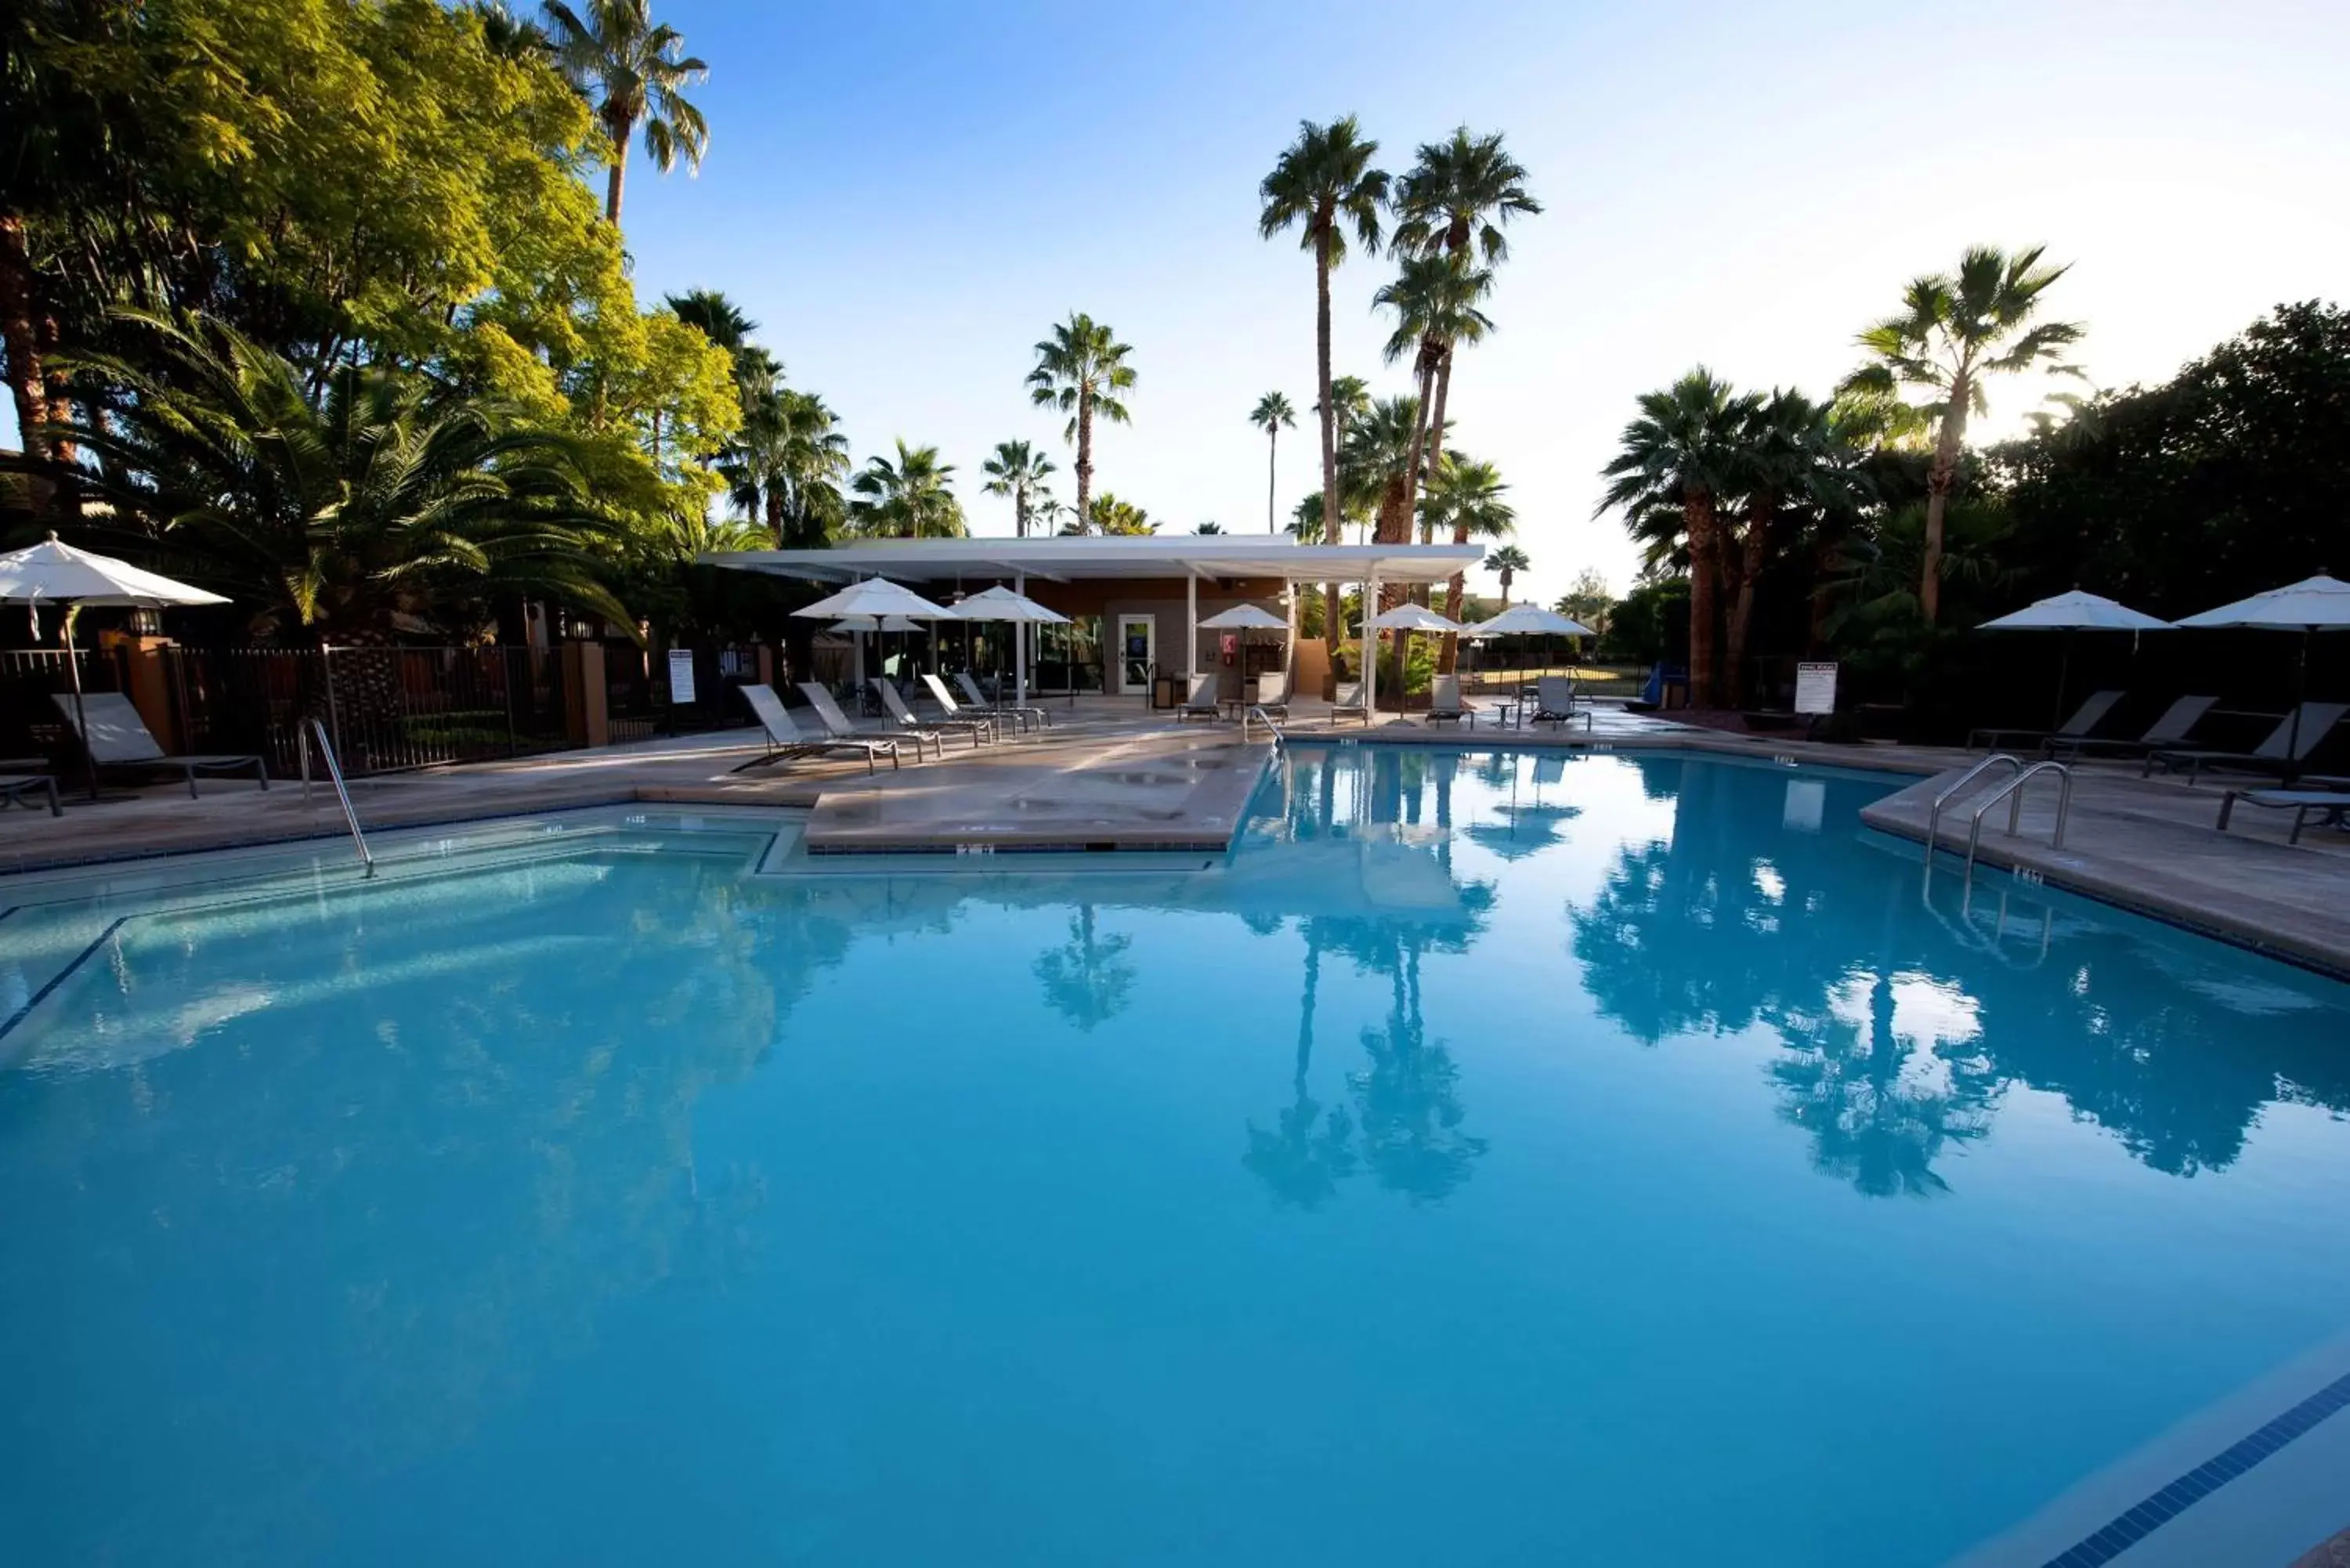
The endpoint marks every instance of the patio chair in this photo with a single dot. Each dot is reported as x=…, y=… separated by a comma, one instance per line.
x=2330, y=798
x=14, y=787
x=2085, y=719
x=2168, y=731
x=1444, y=702
x=1272, y=694
x=2316, y=721
x=894, y=706
x=841, y=727
x=1350, y=701
x=787, y=742
x=118, y=739
x=951, y=710
x=1202, y=703
x=1028, y=713
x=1555, y=702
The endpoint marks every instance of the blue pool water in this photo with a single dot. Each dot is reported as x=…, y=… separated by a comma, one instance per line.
x=1503, y=1160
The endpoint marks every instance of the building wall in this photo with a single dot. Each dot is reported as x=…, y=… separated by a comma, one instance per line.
x=1163, y=601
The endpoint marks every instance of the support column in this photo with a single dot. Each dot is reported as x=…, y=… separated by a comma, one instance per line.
x=1020, y=645
x=1370, y=650
x=1191, y=632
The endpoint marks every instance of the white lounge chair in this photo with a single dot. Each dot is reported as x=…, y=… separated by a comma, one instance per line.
x=1272, y=694
x=2165, y=733
x=17, y=786
x=1350, y=701
x=894, y=705
x=1202, y=702
x=1028, y=713
x=118, y=738
x=1555, y=702
x=2315, y=721
x=955, y=711
x=786, y=742
x=2085, y=718
x=1444, y=704
x=839, y=725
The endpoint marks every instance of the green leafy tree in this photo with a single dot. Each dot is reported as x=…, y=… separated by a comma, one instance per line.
x=633, y=70
x=909, y=499
x=381, y=497
x=1435, y=298
x=786, y=468
x=1018, y=470
x=1464, y=500
x=1324, y=185
x=1954, y=332
x=1588, y=599
x=1081, y=370
x=1272, y=415
x=1107, y=514
x=1676, y=461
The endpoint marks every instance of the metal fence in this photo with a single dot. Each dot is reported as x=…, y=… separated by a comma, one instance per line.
x=31, y=723
x=387, y=709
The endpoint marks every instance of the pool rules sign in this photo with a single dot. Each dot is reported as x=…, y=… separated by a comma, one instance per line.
x=1815, y=688
x=680, y=676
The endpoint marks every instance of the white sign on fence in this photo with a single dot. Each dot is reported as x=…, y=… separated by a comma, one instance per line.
x=680, y=674
x=1815, y=688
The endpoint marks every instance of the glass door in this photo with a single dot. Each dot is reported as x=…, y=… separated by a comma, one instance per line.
x=1135, y=635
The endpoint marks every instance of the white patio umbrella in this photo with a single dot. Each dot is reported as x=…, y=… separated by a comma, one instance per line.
x=1245, y=618
x=1530, y=620
x=873, y=598
x=1001, y=603
x=58, y=574
x=2311, y=606
x=2068, y=613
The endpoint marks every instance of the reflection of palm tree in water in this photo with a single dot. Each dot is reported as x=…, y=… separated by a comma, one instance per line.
x=1405, y=1100
x=1086, y=978
x=1304, y=1157
x=1873, y=1121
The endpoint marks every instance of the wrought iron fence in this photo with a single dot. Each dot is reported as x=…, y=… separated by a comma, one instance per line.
x=387, y=709
x=31, y=678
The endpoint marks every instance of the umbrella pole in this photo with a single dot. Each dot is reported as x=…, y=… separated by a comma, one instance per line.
x=2063, y=671
x=81, y=718
x=2292, y=725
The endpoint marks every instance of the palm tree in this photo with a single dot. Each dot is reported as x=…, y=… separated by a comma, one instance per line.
x=1507, y=562
x=1271, y=414
x=1781, y=459
x=1464, y=498
x=1588, y=599
x=382, y=496
x=1435, y=299
x=1456, y=201
x=630, y=70
x=1677, y=458
x=1209, y=528
x=1018, y=470
x=1108, y=515
x=1080, y=369
x=1953, y=332
x=1323, y=182
x=909, y=499
x=786, y=466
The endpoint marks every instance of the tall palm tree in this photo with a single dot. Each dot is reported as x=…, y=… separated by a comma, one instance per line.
x=1506, y=563
x=1455, y=202
x=631, y=71
x=908, y=499
x=1678, y=457
x=1464, y=498
x=1435, y=298
x=1953, y=332
x=1108, y=515
x=1324, y=184
x=1783, y=461
x=1018, y=470
x=1080, y=370
x=1271, y=414
x=786, y=467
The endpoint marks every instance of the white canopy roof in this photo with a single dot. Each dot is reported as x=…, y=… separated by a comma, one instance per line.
x=1410, y=617
x=1003, y=603
x=59, y=574
x=1244, y=618
x=2313, y=604
x=874, y=596
x=1063, y=558
x=2076, y=611
x=1531, y=620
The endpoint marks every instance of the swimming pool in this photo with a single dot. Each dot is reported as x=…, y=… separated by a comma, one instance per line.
x=1501, y=1158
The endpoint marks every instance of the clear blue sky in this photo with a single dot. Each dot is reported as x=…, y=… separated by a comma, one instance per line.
x=906, y=196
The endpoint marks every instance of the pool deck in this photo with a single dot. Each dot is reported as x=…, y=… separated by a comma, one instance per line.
x=1107, y=775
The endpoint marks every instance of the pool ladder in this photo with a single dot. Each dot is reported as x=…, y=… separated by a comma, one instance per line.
x=1257, y=715
x=304, y=731
x=2011, y=792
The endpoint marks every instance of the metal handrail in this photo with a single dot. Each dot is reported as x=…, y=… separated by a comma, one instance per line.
x=2013, y=793
x=335, y=774
x=1934, y=817
x=1256, y=712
